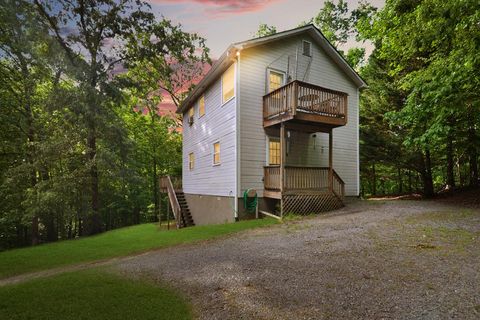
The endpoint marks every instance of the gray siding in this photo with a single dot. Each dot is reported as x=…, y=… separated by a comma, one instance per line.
x=321, y=71
x=218, y=124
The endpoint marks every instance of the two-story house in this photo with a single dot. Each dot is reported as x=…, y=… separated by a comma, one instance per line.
x=278, y=114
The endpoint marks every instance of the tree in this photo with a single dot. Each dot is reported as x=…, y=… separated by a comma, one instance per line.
x=71, y=141
x=265, y=30
x=431, y=69
x=104, y=36
x=24, y=43
x=338, y=24
x=334, y=21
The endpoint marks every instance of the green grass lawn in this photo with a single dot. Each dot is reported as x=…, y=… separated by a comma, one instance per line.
x=116, y=243
x=91, y=294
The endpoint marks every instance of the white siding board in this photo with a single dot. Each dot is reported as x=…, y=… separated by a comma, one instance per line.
x=218, y=124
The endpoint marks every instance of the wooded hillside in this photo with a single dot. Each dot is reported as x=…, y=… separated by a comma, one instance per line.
x=83, y=143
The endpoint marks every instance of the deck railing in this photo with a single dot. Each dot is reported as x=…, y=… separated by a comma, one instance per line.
x=271, y=177
x=176, y=183
x=298, y=96
x=302, y=178
x=305, y=178
x=338, y=185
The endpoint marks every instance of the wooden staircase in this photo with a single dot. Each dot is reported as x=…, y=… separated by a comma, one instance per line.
x=186, y=219
x=178, y=202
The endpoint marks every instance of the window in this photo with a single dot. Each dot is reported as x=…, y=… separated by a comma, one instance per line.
x=191, y=113
x=201, y=106
x=273, y=151
x=275, y=80
x=307, y=48
x=191, y=161
x=228, y=84
x=216, y=153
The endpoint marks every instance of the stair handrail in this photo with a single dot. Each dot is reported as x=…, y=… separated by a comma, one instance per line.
x=342, y=184
x=172, y=196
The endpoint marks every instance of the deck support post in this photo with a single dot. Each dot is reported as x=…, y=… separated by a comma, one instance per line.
x=330, y=160
x=282, y=165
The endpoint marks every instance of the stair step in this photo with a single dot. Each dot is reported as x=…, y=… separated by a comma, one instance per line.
x=186, y=219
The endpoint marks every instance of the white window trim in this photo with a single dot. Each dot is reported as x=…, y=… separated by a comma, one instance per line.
x=311, y=47
x=219, y=152
x=234, y=85
x=269, y=70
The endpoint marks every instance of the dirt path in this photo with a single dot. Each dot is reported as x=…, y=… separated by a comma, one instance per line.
x=376, y=260
x=71, y=268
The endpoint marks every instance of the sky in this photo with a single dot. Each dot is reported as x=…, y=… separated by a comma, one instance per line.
x=222, y=22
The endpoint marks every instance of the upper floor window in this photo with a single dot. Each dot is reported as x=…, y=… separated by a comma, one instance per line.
x=228, y=84
x=275, y=80
x=307, y=48
x=191, y=113
x=201, y=106
x=216, y=153
x=191, y=161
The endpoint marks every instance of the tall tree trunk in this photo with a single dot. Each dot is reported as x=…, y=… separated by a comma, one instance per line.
x=473, y=155
x=427, y=175
x=473, y=148
x=450, y=164
x=80, y=227
x=155, y=190
x=374, y=177
x=94, y=225
x=28, y=90
x=400, y=180
x=409, y=181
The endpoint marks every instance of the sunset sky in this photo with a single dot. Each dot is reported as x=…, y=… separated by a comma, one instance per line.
x=223, y=22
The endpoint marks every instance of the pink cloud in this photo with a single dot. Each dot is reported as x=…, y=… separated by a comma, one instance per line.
x=226, y=6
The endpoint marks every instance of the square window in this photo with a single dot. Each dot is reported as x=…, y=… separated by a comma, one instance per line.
x=275, y=80
x=307, y=48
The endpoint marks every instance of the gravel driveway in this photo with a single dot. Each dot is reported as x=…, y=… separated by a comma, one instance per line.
x=370, y=260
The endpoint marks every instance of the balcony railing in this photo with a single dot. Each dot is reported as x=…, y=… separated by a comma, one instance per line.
x=300, y=97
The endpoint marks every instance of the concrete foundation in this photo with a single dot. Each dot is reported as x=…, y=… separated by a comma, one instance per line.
x=208, y=209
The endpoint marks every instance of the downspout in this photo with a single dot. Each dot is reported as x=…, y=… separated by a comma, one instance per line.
x=237, y=134
x=358, y=142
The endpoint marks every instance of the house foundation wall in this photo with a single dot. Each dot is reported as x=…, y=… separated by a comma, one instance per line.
x=208, y=209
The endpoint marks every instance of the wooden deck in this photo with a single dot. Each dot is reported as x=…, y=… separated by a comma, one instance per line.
x=303, y=103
